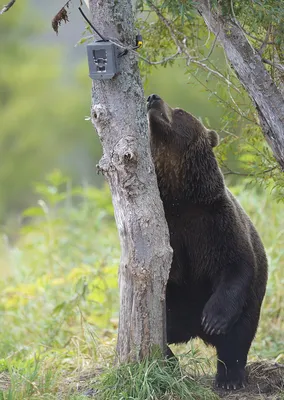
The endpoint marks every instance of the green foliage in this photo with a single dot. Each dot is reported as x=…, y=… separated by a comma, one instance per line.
x=65, y=269
x=243, y=150
x=29, y=381
x=268, y=216
x=42, y=121
x=178, y=8
x=259, y=16
x=59, y=303
x=252, y=155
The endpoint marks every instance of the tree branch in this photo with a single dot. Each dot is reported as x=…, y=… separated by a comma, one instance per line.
x=280, y=67
x=162, y=61
x=231, y=172
x=182, y=48
x=213, y=93
x=211, y=50
x=265, y=42
x=7, y=6
x=257, y=39
x=250, y=70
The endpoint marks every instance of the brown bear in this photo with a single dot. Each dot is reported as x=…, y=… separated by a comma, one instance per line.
x=219, y=270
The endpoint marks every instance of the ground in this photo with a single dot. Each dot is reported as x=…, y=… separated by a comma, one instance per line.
x=266, y=382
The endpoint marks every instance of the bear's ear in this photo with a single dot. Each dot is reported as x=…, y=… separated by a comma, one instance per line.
x=214, y=138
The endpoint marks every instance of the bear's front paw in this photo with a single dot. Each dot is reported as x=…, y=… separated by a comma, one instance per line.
x=215, y=320
x=213, y=324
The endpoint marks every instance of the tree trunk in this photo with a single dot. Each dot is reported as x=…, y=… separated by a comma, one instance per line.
x=250, y=70
x=119, y=116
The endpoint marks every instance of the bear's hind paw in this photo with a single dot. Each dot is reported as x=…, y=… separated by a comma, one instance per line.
x=232, y=380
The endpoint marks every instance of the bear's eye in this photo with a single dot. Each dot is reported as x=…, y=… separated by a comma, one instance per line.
x=180, y=112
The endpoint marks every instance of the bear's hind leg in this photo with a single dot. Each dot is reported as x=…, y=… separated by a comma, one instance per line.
x=183, y=315
x=232, y=351
x=231, y=364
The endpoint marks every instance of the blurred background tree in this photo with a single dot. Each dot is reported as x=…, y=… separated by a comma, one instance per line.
x=43, y=104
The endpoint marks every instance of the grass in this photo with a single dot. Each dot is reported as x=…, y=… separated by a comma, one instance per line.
x=151, y=379
x=59, y=304
x=268, y=216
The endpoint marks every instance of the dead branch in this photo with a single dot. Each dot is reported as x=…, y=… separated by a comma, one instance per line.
x=162, y=61
x=7, y=6
x=61, y=16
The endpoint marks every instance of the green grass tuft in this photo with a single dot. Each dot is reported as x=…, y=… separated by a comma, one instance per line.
x=152, y=380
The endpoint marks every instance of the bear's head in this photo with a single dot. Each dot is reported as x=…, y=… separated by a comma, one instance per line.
x=176, y=126
x=182, y=151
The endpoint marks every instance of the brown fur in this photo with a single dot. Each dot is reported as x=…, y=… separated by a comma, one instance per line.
x=219, y=269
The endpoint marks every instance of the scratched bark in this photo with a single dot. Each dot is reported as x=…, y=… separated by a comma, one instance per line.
x=119, y=116
x=267, y=97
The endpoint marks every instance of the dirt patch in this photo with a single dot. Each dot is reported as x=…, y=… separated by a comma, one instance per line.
x=4, y=381
x=265, y=382
x=81, y=383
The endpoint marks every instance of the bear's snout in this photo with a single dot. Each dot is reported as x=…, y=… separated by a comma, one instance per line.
x=151, y=99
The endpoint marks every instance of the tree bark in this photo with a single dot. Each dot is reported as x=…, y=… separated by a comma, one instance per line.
x=250, y=70
x=119, y=116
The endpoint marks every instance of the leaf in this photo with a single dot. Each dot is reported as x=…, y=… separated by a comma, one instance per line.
x=33, y=212
x=59, y=308
x=81, y=286
x=83, y=40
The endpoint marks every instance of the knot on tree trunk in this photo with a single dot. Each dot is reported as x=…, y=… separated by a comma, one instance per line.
x=123, y=161
x=125, y=153
x=100, y=117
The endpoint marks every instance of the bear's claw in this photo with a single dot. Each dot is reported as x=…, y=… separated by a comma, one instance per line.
x=214, y=325
x=230, y=385
x=216, y=318
x=231, y=379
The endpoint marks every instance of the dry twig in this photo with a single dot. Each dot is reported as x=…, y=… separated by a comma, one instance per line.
x=265, y=42
x=7, y=6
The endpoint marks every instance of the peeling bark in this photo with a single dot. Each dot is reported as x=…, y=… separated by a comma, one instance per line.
x=249, y=68
x=119, y=116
